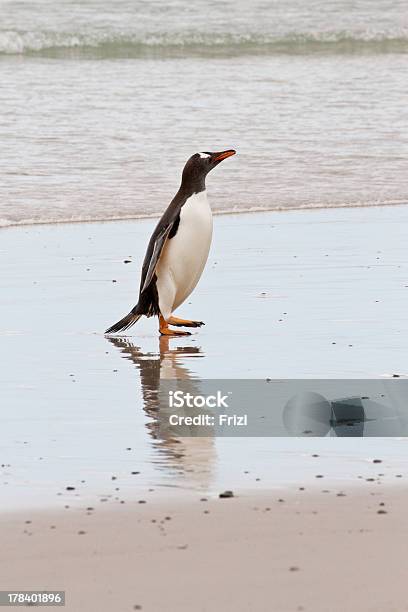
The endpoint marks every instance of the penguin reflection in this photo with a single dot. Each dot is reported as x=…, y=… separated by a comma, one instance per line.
x=191, y=454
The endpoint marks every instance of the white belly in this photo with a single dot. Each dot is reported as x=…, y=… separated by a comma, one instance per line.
x=184, y=256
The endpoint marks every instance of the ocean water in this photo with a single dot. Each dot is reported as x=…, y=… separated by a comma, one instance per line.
x=102, y=102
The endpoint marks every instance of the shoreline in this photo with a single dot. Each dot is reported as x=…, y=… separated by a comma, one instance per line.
x=216, y=213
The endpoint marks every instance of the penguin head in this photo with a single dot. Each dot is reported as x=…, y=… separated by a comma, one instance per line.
x=200, y=164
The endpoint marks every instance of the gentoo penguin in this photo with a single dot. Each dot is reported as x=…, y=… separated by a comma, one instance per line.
x=177, y=251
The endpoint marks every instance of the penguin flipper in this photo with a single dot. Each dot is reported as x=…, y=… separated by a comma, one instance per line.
x=153, y=260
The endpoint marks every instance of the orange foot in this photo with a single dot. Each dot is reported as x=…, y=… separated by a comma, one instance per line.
x=184, y=322
x=166, y=331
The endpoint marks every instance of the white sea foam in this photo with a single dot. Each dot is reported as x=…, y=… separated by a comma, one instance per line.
x=117, y=44
x=235, y=210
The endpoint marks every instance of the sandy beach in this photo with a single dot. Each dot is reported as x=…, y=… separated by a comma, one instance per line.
x=321, y=552
x=299, y=294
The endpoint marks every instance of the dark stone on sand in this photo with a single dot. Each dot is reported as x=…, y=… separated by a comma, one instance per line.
x=370, y=479
x=167, y=518
x=70, y=488
x=137, y=607
x=377, y=460
x=142, y=501
x=133, y=473
x=127, y=261
x=281, y=500
x=395, y=375
x=203, y=499
x=293, y=568
x=315, y=455
x=319, y=476
x=113, y=477
x=226, y=494
x=81, y=532
x=381, y=512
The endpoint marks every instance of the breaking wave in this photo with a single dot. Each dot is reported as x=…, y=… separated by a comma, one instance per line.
x=102, y=45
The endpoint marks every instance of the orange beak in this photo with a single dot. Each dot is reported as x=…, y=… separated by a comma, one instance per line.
x=223, y=155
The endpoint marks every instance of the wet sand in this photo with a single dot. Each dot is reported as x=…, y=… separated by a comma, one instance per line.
x=301, y=294
x=291, y=294
x=325, y=551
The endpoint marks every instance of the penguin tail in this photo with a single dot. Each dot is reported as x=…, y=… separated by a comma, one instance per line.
x=127, y=321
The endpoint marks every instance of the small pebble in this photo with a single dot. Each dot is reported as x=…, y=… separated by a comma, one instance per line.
x=226, y=494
